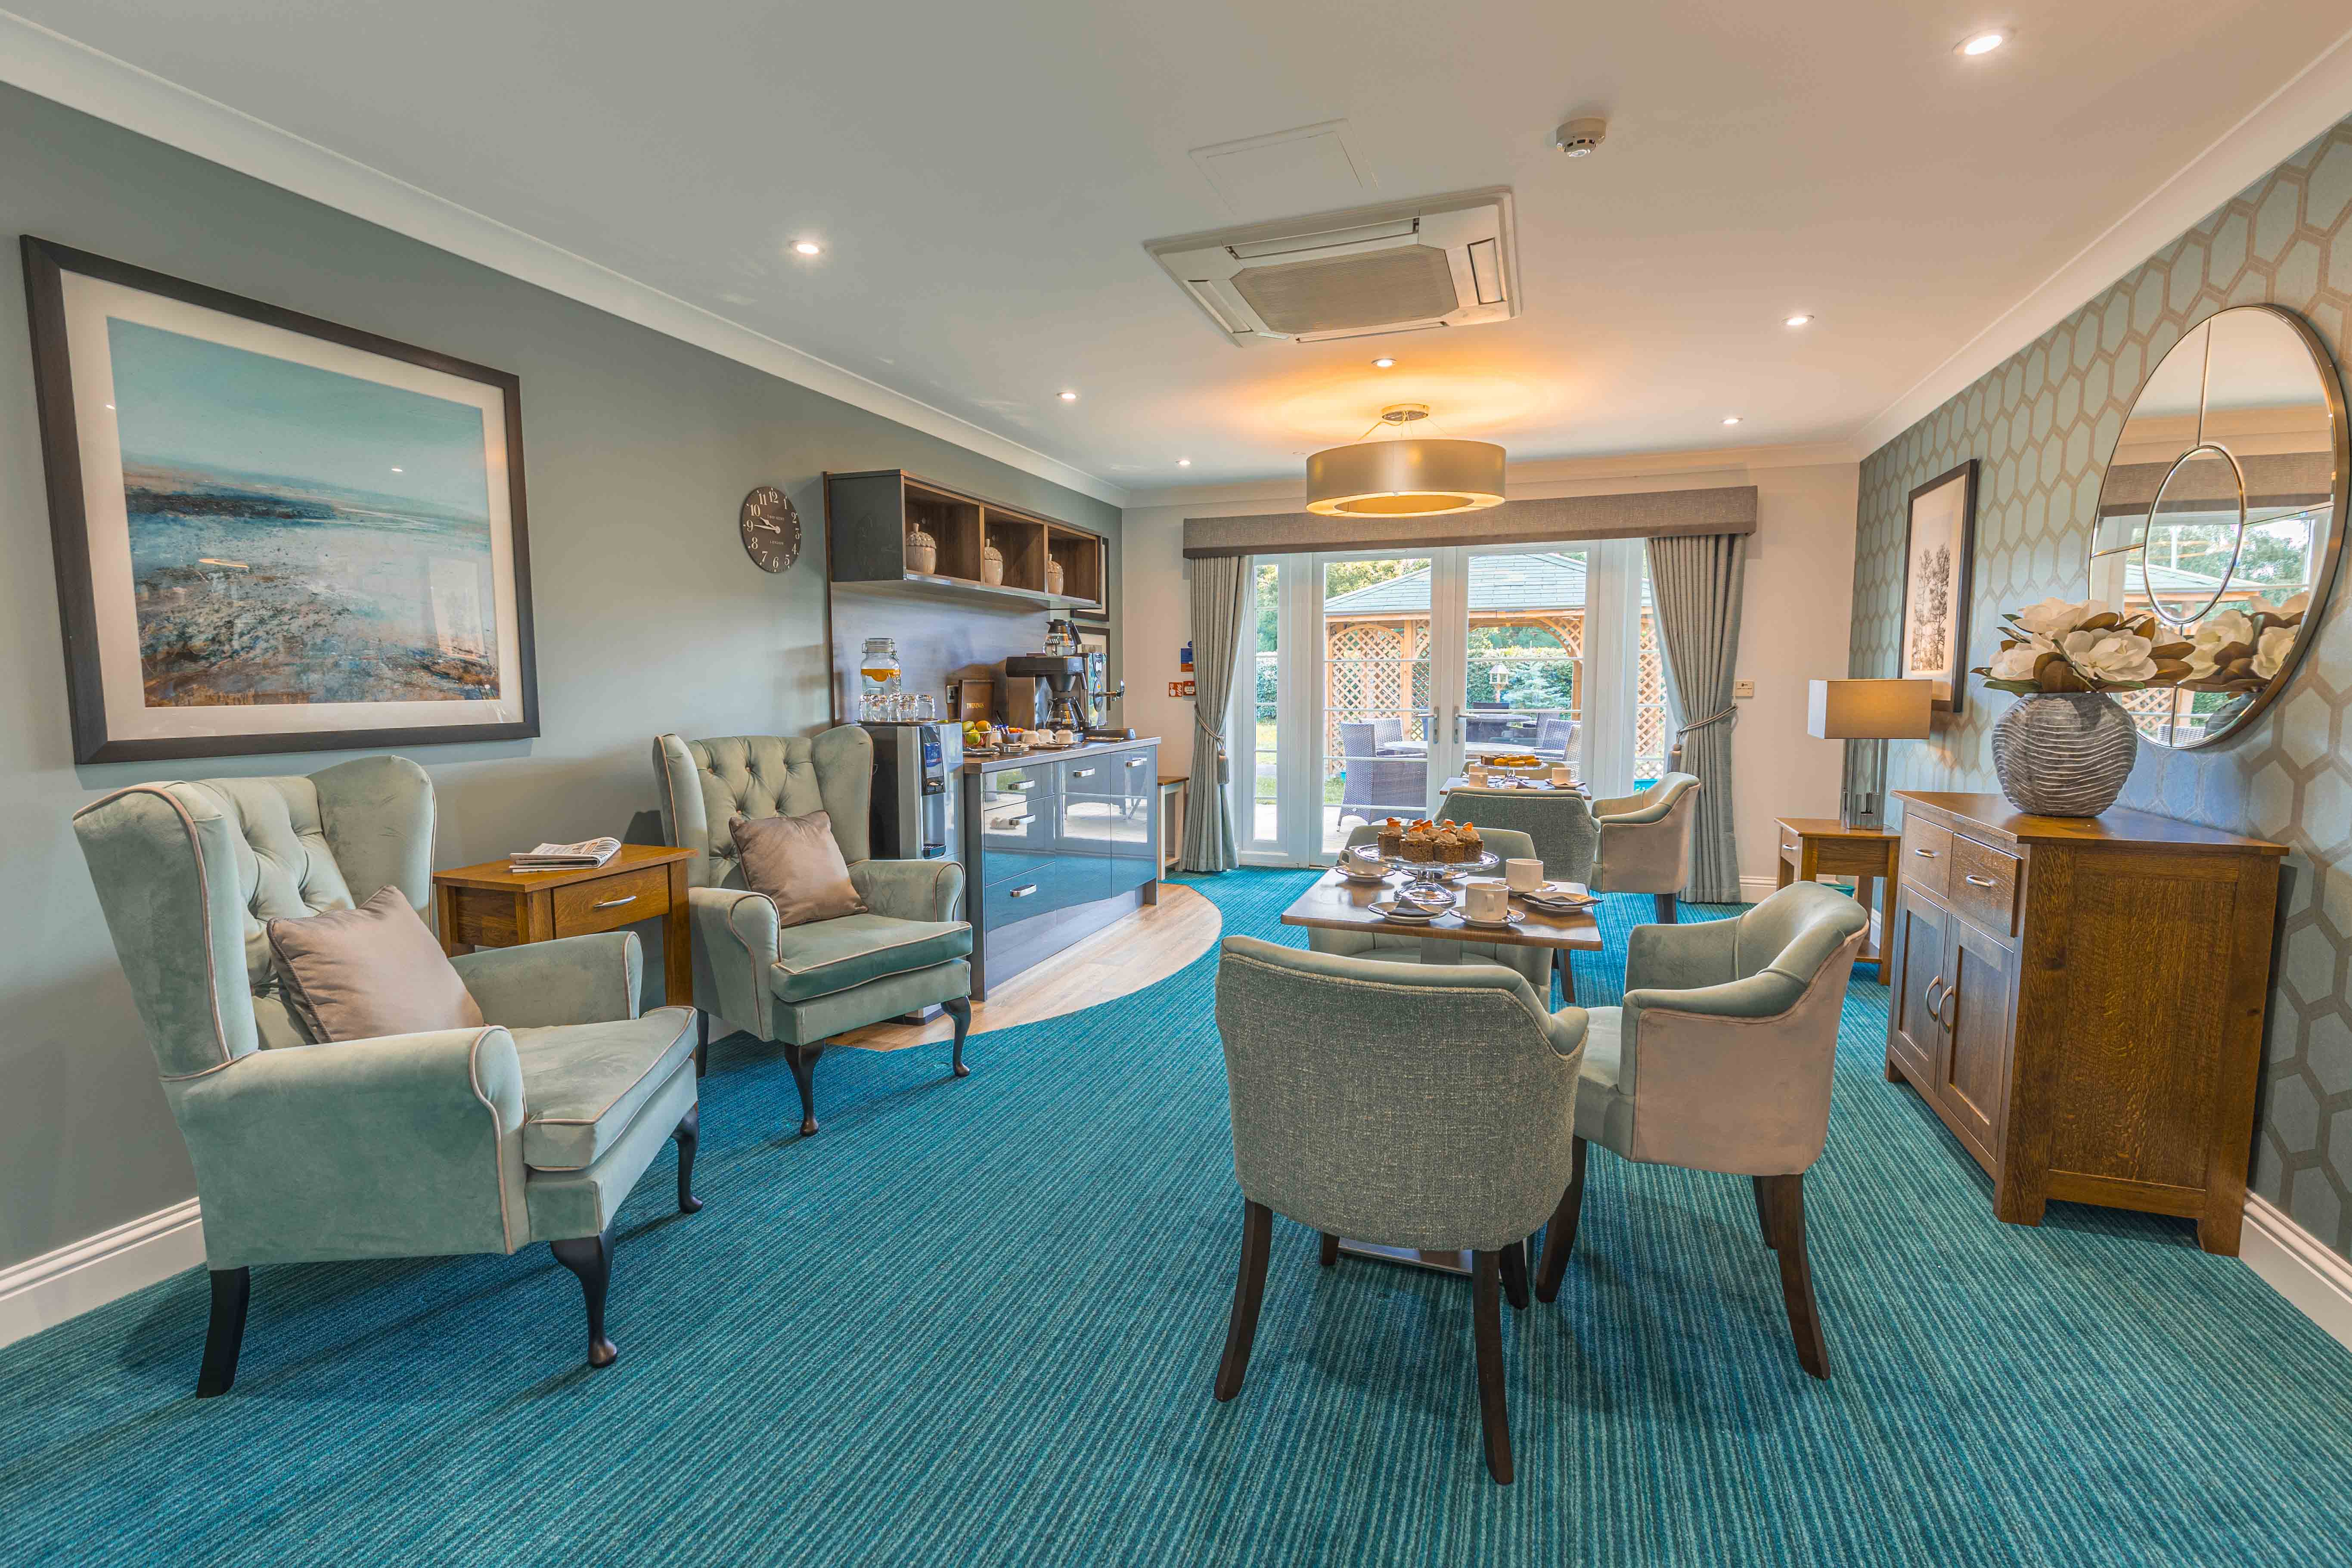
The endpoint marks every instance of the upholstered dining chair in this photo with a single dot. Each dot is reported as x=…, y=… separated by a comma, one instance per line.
x=798, y=986
x=1720, y=1060
x=1415, y=1106
x=1404, y=947
x=1557, y=823
x=1645, y=841
x=532, y=1128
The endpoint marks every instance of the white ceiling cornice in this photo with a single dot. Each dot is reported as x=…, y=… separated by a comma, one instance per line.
x=1730, y=460
x=2316, y=98
x=57, y=67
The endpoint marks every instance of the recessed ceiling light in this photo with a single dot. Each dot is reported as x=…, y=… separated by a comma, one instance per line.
x=1069, y=397
x=395, y=470
x=1383, y=363
x=1183, y=462
x=1731, y=420
x=808, y=248
x=1798, y=321
x=1983, y=43
x=109, y=406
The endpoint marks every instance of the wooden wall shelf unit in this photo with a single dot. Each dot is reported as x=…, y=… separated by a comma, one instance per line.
x=2080, y=1002
x=869, y=518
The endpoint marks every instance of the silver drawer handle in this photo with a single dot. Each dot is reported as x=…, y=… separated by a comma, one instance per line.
x=615, y=903
x=1023, y=820
x=1083, y=774
x=1136, y=762
x=1973, y=880
x=1023, y=891
x=1925, y=854
x=1025, y=784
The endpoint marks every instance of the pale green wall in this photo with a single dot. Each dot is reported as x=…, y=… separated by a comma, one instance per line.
x=2043, y=424
x=649, y=616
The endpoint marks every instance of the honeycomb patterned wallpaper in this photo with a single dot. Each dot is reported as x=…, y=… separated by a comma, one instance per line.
x=2042, y=425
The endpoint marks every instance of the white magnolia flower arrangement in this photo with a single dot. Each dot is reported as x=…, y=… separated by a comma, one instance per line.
x=2059, y=646
x=2055, y=646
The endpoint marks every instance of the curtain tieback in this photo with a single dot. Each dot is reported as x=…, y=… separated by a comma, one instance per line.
x=1715, y=718
x=1224, y=772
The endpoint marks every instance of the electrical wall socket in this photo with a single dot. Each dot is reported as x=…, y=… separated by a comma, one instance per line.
x=1742, y=689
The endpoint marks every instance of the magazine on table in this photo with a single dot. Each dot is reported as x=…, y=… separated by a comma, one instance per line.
x=589, y=852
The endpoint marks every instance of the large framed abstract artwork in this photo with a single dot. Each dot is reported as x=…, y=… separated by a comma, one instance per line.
x=273, y=533
x=1938, y=543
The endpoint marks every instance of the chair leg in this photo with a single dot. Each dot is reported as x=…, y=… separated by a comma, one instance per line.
x=1667, y=912
x=1787, y=1206
x=701, y=1042
x=1514, y=1276
x=960, y=1009
x=1249, y=1290
x=232, y=1291
x=803, y=1061
x=591, y=1258
x=1559, y=1236
x=1567, y=979
x=1331, y=1250
x=688, y=1134
x=1487, y=1330
x=1764, y=1211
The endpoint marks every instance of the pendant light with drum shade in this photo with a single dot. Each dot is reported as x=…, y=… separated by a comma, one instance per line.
x=1387, y=473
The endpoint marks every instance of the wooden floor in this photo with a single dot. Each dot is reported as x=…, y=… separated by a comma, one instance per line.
x=1127, y=955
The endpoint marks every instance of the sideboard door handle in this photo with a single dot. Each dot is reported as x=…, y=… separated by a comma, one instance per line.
x=1934, y=1007
x=615, y=903
x=1925, y=854
x=1023, y=891
x=1973, y=880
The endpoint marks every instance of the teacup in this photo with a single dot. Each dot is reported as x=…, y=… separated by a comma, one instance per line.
x=1486, y=900
x=1061, y=737
x=1524, y=875
x=1560, y=776
x=1476, y=772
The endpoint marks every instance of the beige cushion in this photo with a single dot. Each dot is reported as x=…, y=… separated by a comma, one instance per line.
x=794, y=861
x=354, y=975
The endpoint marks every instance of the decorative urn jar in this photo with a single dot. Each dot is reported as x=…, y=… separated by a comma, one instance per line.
x=922, y=553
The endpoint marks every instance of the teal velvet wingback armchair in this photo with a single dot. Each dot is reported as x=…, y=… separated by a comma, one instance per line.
x=1425, y=1106
x=800, y=985
x=1720, y=1060
x=533, y=1128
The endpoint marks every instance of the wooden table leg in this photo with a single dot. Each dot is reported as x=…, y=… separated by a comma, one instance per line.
x=677, y=944
x=445, y=915
x=1788, y=871
x=1866, y=890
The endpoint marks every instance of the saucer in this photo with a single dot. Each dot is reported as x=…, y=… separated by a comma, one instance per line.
x=1510, y=918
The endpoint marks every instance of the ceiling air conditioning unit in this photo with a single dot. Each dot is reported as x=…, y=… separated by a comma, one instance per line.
x=1400, y=267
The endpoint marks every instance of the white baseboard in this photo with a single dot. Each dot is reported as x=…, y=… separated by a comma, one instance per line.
x=2299, y=1267
x=46, y=1290
x=1756, y=889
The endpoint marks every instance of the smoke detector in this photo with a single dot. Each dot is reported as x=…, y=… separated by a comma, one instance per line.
x=1578, y=138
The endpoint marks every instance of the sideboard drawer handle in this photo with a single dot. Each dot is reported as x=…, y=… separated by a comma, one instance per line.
x=1024, y=784
x=615, y=903
x=1023, y=890
x=1023, y=820
x=1925, y=854
x=1136, y=762
x=1973, y=880
x=1083, y=774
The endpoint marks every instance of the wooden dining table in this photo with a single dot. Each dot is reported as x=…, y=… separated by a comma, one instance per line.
x=1336, y=903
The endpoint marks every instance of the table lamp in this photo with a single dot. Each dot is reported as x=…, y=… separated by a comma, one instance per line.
x=1875, y=710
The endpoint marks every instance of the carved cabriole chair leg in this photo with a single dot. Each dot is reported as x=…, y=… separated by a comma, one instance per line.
x=590, y=1258
x=960, y=1009
x=803, y=1061
x=225, y=1335
x=690, y=1140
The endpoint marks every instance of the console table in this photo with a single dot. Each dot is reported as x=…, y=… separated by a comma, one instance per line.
x=2081, y=1001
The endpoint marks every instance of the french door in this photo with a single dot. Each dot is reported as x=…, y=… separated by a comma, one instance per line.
x=1377, y=677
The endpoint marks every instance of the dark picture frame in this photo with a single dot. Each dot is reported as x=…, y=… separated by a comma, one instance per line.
x=1940, y=515
x=99, y=731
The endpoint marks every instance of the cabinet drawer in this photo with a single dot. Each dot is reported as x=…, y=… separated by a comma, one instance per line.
x=1002, y=785
x=1087, y=775
x=1041, y=884
x=1011, y=827
x=1983, y=887
x=1926, y=855
x=609, y=903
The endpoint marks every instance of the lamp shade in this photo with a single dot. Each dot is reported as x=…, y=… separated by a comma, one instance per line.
x=1410, y=478
x=1869, y=709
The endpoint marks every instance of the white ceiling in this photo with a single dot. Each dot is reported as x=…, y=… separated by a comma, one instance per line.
x=983, y=178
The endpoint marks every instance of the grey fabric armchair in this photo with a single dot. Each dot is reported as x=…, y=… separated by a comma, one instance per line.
x=1404, y=947
x=533, y=1128
x=1645, y=841
x=1720, y=1060
x=1559, y=823
x=1429, y=1106
x=800, y=985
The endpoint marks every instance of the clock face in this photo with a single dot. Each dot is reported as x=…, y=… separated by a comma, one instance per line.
x=771, y=529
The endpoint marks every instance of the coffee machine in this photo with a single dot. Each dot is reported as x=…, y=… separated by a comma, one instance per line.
x=1038, y=691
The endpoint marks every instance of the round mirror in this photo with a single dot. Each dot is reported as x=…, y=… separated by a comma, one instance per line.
x=2222, y=513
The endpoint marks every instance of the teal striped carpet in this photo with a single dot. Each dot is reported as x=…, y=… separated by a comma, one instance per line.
x=975, y=1323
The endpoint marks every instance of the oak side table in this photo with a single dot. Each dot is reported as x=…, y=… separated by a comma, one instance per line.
x=489, y=906
x=1814, y=847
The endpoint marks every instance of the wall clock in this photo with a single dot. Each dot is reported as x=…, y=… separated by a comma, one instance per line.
x=771, y=529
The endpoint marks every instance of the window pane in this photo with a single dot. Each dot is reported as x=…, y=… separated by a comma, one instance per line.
x=1653, y=728
x=1375, y=694
x=1523, y=677
x=1263, y=827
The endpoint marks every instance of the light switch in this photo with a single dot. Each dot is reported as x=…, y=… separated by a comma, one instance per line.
x=1742, y=689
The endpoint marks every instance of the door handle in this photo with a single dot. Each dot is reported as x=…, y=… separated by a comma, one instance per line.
x=1934, y=1007
x=615, y=903
x=1023, y=891
x=1136, y=762
x=1952, y=1006
x=1973, y=880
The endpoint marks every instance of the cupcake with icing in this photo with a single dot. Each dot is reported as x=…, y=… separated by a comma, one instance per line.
x=1473, y=843
x=1392, y=841
x=1418, y=843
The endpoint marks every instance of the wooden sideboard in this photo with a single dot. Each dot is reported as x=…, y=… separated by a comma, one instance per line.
x=2081, y=1000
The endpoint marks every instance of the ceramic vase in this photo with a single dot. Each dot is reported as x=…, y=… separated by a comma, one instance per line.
x=922, y=553
x=991, y=566
x=2064, y=753
x=1053, y=576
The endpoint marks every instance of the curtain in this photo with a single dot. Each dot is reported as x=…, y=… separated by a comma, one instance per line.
x=1696, y=583
x=1220, y=588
